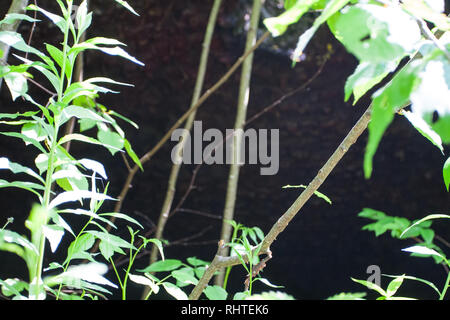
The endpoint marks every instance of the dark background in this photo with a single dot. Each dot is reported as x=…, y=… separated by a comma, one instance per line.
x=324, y=245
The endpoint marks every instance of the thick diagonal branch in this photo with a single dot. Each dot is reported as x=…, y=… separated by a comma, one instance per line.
x=220, y=262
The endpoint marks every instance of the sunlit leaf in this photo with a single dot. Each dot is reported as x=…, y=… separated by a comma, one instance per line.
x=174, y=291
x=77, y=195
x=376, y=33
x=446, y=173
x=385, y=102
x=278, y=25
x=163, y=265
x=422, y=250
x=144, y=281
x=365, y=76
x=394, y=285
x=215, y=293
x=54, y=234
x=317, y=193
x=424, y=129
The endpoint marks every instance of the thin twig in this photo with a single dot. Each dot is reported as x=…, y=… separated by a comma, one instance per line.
x=241, y=115
x=266, y=109
x=147, y=156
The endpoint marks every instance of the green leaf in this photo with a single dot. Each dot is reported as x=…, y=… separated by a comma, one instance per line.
x=79, y=246
x=317, y=193
x=215, y=293
x=417, y=279
x=56, y=19
x=17, y=84
x=83, y=18
x=429, y=217
x=111, y=140
x=158, y=244
x=348, y=296
x=163, y=265
x=29, y=186
x=58, y=56
x=14, y=287
x=77, y=195
x=127, y=6
x=278, y=25
x=268, y=283
x=427, y=235
x=132, y=154
x=15, y=40
x=83, y=138
x=271, y=295
x=394, y=285
x=446, y=173
x=330, y=9
x=110, y=243
x=422, y=250
x=18, y=168
x=185, y=276
x=424, y=129
x=12, y=17
x=433, y=92
x=371, y=286
x=174, y=291
x=376, y=33
x=122, y=216
x=371, y=214
x=385, y=102
x=91, y=272
x=144, y=281
x=196, y=262
x=54, y=234
x=442, y=127
x=80, y=113
x=13, y=237
x=113, y=51
x=365, y=76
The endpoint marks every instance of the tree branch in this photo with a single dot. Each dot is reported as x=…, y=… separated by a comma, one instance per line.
x=222, y=262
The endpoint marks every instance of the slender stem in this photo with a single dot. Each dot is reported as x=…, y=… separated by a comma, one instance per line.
x=233, y=177
x=170, y=193
x=447, y=283
x=147, y=156
x=50, y=168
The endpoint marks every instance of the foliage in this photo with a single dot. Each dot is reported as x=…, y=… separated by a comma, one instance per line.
x=77, y=179
x=390, y=39
x=403, y=65
x=381, y=34
x=402, y=228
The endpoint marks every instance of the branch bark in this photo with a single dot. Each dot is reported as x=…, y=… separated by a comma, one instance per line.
x=220, y=261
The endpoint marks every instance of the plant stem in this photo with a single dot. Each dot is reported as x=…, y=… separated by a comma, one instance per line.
x=170, y=193
x=50, y=167
x=233, y=177
x=447, y=283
